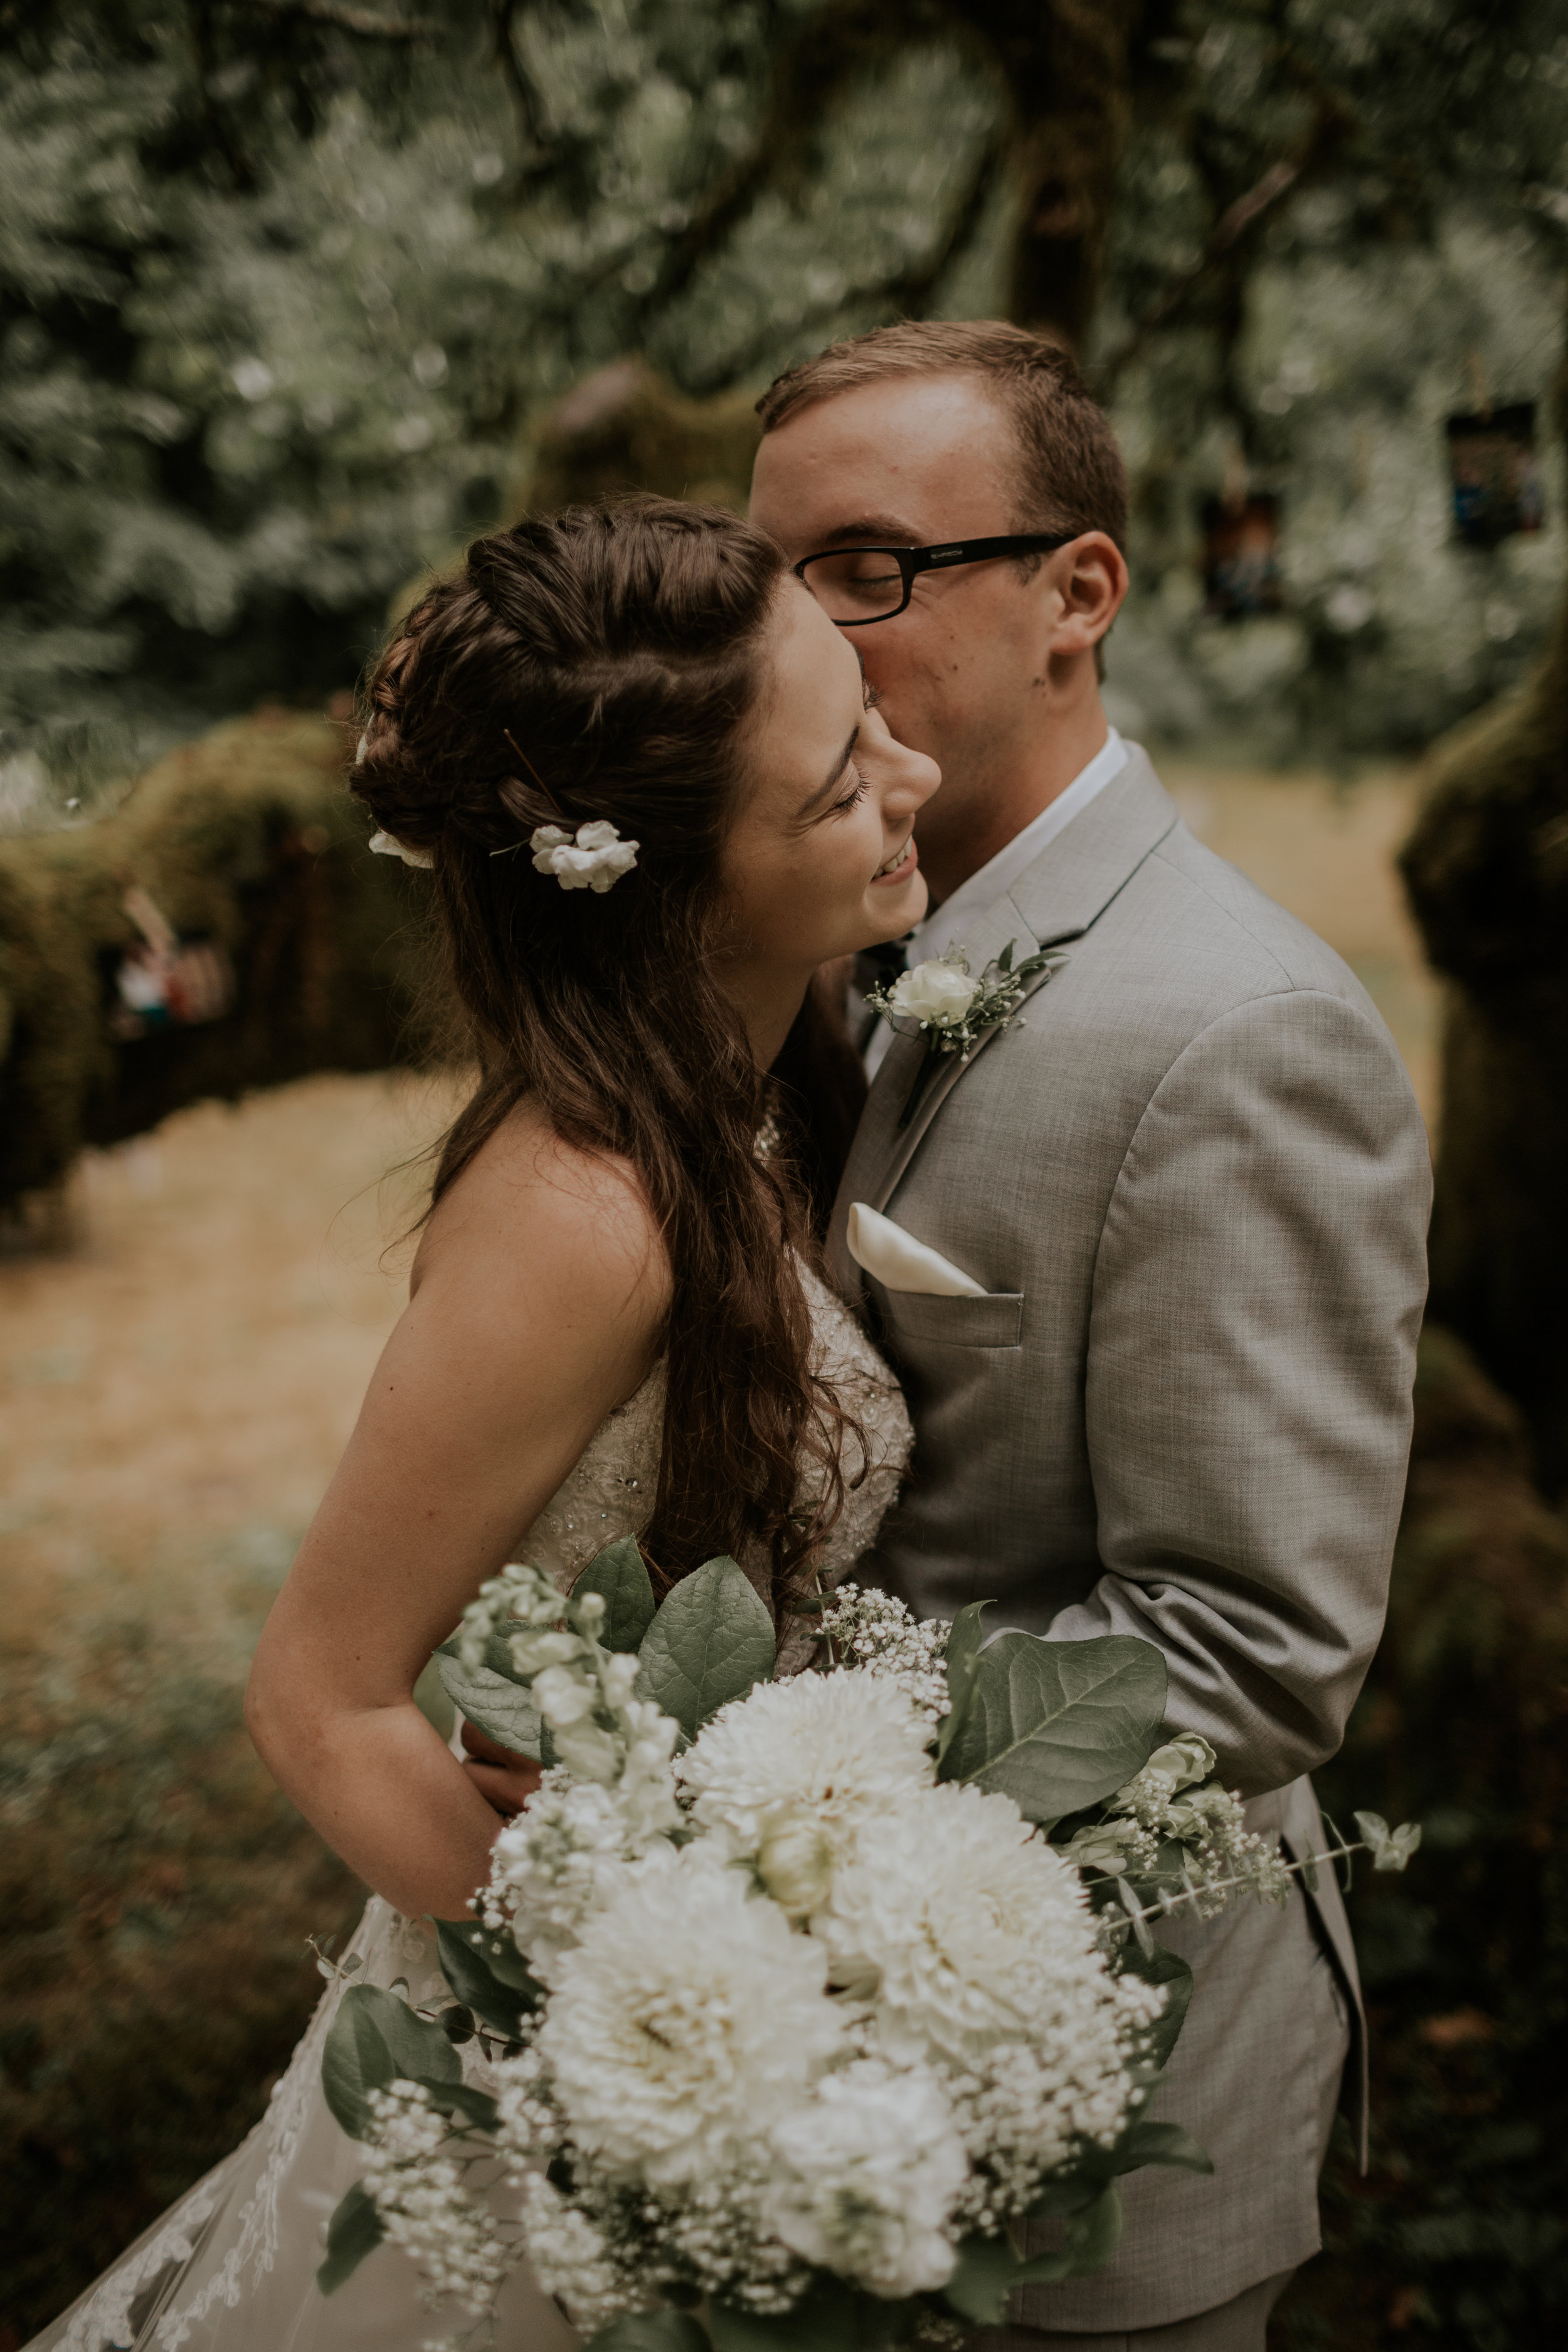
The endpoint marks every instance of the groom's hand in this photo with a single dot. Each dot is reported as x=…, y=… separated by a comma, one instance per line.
x=505, y=1781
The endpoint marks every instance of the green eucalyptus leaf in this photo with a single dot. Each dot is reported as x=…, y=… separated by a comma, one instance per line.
x=1058, y=1724
x=496, y=1703
x=963, y=1658
x=620, y=1576
x=651, y=2331
x=353, y=2231
x=1168, y=1968
x=1152, y=2143
x=471, y=1960
x=376, y=2039
x=710, y=1642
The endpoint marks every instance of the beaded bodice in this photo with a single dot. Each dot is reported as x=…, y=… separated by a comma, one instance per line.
x=611, y=1491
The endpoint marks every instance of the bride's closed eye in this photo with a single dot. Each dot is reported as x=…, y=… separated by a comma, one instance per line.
x=853, y=798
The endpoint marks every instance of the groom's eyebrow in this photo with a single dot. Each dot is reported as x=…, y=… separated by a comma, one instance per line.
x=878, y=530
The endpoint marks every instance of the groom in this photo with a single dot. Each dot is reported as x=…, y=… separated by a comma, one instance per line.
x=1193, y=1190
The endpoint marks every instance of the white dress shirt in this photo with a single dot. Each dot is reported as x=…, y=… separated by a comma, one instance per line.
x=959, y=914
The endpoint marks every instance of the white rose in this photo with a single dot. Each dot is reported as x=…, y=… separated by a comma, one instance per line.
x=938, y=992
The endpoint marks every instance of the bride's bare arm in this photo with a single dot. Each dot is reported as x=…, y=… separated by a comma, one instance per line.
x=535, y=1307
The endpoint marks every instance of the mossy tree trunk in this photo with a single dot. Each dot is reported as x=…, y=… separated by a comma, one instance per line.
x=1487, y=870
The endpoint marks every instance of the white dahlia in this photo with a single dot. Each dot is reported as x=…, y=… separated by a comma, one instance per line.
x=690, y=2019
x=796, y=1771
x=870, y=2173
x=964, y=1929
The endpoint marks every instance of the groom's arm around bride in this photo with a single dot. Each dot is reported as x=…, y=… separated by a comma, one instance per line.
x=1193, y=1185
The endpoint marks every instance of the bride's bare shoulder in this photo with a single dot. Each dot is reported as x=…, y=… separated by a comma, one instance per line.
x=532, y=1208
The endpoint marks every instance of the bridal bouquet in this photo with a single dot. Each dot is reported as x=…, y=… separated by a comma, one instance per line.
x=792, y=1999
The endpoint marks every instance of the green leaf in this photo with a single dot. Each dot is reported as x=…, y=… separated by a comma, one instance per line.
x=982, y=2281
x=712, y=1642
x=470, y=1964
x=353, y=2231
x=496, y=1703
x=1167, y=1969
x=963, y=1658
x=461, y=2099
x=619, y=1573
x=1057, y=1726
x=651, y=2331
x=829, y=2317
x=376, y=2039
x=1151, y=2143
x=1091, y=2239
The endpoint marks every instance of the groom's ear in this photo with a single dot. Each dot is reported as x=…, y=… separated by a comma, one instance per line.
x=1087, y=580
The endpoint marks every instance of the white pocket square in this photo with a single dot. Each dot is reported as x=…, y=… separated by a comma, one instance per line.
x=900, y=1262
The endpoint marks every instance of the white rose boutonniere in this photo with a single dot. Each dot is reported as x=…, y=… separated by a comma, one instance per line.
x=954, y=1008
x=938, y=993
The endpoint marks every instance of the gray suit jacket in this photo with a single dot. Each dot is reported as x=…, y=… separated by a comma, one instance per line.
x=1195, y=1186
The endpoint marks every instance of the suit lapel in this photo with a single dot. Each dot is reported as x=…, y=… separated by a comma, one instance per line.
x=1055, y=900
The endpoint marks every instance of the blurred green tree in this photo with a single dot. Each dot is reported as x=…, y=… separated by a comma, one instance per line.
x=282, y=281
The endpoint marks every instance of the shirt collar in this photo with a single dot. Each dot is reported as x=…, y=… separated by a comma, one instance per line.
x=958, y=914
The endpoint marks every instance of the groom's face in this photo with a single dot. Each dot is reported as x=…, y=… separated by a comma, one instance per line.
x=965, y=672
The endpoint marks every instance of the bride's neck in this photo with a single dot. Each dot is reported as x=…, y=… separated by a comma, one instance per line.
x=767, y=1002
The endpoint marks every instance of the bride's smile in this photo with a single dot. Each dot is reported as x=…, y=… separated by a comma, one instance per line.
x=820, y=860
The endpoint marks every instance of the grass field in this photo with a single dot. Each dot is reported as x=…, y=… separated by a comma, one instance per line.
x=177, y=1379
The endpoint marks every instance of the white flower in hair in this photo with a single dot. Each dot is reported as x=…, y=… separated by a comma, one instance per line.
x=596, y=861
x=385, y=845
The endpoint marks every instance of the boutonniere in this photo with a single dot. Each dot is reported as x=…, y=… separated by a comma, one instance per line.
x=954, y=1008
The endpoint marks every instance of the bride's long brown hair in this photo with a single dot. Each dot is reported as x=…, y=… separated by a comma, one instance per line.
x=605, y=663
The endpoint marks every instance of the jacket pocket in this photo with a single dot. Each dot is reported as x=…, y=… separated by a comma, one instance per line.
x=994, y=1321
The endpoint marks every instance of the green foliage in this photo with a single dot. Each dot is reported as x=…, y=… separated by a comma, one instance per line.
x=1168, y=1968
x=1058, y=1725
x=620, y=1577
x=491, y=1697
x=375, y=2040
x=487, y=1974
x=711, y=1640
x=284, y=307
x=1457, y=2231
x=651, y=2331
x=158, y=1891
x=353, y=2231
x=247, y=839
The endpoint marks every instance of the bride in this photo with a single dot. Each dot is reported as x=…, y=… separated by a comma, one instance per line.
x=654, y=796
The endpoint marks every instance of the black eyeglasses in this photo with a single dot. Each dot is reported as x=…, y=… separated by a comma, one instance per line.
x=857, y=585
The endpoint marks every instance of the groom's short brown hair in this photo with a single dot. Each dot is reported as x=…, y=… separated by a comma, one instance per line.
x=1071, y=478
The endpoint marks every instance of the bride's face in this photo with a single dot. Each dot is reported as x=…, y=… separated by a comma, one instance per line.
x=821, y=859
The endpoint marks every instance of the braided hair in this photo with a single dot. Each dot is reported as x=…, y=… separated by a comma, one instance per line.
x=605, y=663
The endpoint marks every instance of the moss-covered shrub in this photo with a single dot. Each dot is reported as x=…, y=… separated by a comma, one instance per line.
x=1456, y=2238
x=1487, y=870
x=246, y=838
x=626, y=429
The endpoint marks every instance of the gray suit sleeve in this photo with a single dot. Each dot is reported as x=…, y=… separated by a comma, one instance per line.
x=1257, y=1300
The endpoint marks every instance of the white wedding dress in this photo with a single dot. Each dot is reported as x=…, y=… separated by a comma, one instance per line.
x=231, y=2267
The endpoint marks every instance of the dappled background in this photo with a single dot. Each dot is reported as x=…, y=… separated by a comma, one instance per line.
x=295, y=297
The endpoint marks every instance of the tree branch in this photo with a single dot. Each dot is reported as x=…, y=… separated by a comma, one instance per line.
x=362, y=22
x=1240, y=221
x=524, y=98
x=807, y=75
x=907, y=294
